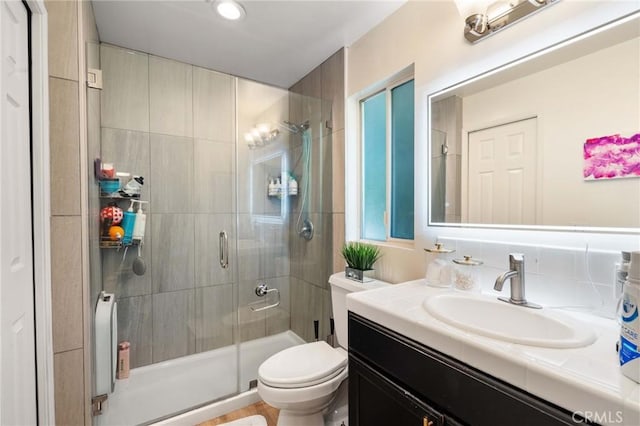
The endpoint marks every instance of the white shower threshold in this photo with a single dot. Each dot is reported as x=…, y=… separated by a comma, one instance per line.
x=159, y=390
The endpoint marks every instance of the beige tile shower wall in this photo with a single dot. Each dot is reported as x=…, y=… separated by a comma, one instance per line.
x=67, y=32
x=312, y=262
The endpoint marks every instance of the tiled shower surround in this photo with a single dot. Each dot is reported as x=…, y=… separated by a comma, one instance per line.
x=175, y=124
x=312, y=262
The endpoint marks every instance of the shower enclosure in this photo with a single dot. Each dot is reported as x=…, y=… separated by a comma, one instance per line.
x=233, y=178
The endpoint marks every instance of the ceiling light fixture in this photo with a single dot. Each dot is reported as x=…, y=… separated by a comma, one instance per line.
x=486, y=17
x=229, y=9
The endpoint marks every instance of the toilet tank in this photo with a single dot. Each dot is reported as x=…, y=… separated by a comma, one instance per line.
x=340, y=287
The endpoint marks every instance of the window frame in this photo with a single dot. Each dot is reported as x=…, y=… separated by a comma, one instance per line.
x=387, y=89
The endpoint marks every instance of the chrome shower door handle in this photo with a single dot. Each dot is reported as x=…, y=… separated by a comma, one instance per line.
x=224, y=250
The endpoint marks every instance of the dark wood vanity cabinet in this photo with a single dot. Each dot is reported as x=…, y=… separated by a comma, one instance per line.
x=395, y=381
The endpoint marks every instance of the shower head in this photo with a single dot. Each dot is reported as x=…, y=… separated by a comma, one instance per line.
x=294, y=128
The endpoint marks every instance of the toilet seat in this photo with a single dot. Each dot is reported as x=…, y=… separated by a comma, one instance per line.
x=296, y=399
x=302, y=366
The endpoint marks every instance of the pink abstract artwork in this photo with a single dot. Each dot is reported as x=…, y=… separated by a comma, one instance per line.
x=611, y=157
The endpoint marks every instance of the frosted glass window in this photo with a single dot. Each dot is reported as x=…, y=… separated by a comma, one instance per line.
x=374, y=165
x=402, y=212
x=387, y=120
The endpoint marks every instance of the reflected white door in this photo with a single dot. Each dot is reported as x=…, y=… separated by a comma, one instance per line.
x=17, y=344
x=502, y=174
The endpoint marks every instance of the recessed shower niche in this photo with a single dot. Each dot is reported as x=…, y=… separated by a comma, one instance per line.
x=270, y=194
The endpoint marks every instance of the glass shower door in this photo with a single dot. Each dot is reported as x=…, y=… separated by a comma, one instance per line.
x=279, y=178
x=263, y=225
x=179, y=316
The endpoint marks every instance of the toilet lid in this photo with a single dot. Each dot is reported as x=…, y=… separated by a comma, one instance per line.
x=302, y=365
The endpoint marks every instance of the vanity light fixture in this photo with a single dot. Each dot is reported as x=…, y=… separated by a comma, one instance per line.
x=261, y=135
x=486, y=17
x=229, y=9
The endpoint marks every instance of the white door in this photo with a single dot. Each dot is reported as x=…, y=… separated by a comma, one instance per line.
x=17, y=341
x=502, y=174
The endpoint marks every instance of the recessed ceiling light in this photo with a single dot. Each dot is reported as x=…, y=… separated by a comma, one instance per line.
x=229, y=9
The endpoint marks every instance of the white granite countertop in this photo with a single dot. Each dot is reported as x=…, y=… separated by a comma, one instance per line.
x=584, y=380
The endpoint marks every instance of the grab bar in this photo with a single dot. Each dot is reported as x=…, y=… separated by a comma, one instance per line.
x=224, y=250
x=262, y=290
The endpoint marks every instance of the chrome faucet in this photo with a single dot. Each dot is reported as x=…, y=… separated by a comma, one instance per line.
x=516, y=275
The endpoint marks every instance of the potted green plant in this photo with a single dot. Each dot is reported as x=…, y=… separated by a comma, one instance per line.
x=360, y=258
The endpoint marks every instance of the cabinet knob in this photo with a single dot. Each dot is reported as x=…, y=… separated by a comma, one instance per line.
x=426, y=421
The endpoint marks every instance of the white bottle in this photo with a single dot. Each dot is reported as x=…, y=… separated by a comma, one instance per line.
x=278, y=188
x=140, y=223
x=272, y=188
x=293, y=186
x=629, y=353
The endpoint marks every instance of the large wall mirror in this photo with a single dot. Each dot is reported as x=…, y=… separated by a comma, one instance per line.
x=508, y=147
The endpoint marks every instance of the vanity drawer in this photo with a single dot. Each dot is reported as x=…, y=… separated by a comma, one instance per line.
x=449, y=386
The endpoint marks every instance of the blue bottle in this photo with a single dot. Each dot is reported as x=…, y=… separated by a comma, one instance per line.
x=128, y=222
x=630, y=322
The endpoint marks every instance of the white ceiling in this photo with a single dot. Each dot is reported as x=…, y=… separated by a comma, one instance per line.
x=278, y=42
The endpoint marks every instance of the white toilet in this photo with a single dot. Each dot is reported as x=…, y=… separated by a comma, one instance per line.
x=302, y=380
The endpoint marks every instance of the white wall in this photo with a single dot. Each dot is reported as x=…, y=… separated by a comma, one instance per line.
x=429, y=34
x=596, y=95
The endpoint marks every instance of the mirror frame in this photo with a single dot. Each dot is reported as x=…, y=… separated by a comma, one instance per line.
x=635, y=16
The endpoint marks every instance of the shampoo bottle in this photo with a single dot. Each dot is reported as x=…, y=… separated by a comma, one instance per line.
x=630, y=323
x=140, y=222
x=123, y=360
x=278, y=188
x=128, y=222
x=271, y=188
x=293, y=185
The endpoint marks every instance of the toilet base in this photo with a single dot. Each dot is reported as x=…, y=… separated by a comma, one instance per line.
x=288, y=418
x=303, y=406
x=337, y=413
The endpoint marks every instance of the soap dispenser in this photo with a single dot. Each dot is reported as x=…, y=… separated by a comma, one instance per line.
x=128, y=222
x=140, y=222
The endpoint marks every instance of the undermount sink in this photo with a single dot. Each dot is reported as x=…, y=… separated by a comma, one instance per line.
x=516, y=324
